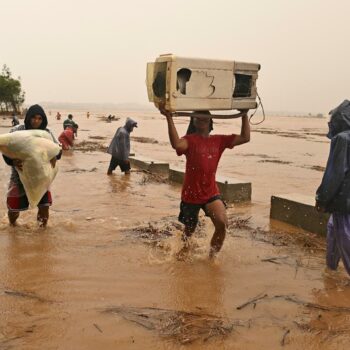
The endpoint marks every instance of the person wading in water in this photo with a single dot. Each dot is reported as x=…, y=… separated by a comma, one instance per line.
x=200, y=191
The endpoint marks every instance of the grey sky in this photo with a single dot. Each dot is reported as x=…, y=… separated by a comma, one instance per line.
x=96, y=51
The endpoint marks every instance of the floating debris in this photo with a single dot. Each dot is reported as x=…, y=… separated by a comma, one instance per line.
x=181, y=326
x=144, y=139
x=90, y=146
x=251, y=301
x=238, y=222
x=152, y=233
x=97, y=137
x=81, y=170
x=276, y=161
x=27, y=295
x=152, y=177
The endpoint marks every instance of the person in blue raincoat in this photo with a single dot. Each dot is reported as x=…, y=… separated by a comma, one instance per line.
x=333, y=195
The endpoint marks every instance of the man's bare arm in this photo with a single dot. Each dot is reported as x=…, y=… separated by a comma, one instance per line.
x=180, y=145
x=244, y=137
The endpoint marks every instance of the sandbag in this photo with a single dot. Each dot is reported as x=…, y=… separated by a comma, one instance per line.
x=35, y=148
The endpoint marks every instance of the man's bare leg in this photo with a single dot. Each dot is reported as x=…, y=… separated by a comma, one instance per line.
x=43, y=216
x=217, y=213
x=186, y=235
x=188, y=231
x=13, y=216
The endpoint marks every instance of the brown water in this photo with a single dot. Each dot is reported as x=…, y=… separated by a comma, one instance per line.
x=99, y=252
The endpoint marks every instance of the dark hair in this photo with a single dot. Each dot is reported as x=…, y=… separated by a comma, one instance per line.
x=70, y=116
x=191, y=129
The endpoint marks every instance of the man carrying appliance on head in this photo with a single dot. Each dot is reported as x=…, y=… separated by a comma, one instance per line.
x=200, y=191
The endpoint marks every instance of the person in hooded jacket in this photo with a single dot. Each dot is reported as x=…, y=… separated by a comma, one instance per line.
x=333, y=195
x=17, y=200
x=119, y=148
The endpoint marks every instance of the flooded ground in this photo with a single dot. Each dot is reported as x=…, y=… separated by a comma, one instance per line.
x=105, y=272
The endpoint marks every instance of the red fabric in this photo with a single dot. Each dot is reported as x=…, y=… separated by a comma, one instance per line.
x=18, y=201
x=67, y=138
x=202, y=159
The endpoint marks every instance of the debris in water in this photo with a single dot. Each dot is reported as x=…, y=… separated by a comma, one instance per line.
x=90, y=146
x=181, y=326
x=238, y=222
x=296, y=300
x=81, y=170
x=28, y=295
x=152, y=233
x=152, y=177
x=274, y=259
x=144, y=139
x=97, y=327
x=97, y=137
x=283, y=341
x=251, y=301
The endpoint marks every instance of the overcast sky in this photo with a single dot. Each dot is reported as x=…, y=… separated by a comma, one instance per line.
x=96, y=51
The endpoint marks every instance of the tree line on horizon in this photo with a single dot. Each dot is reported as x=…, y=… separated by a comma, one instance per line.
x=11, y=94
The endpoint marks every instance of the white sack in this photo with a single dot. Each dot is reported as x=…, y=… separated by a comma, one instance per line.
x=35, y=148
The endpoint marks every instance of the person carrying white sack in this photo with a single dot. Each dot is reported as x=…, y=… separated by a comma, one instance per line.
x=17, y=199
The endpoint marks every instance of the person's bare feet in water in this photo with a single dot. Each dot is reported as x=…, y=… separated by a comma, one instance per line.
x=183, y=252
x=212, y=253
x=13, y=216
x=43, y=216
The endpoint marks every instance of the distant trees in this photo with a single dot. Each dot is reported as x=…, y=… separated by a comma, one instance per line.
x=11, y=94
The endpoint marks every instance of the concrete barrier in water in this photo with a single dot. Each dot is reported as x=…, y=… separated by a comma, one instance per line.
x=232, y=190
x=176, y=175
x=299, y=210
x=149, y=164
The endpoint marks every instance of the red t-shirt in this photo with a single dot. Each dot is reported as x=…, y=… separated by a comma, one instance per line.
x=202, y=159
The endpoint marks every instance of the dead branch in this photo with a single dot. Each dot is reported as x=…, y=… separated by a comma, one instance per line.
x=251, y=301
x=283, y=341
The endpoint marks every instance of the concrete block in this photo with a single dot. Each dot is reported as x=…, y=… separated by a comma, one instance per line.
x=149, y=164
x=176, y=175
x=299, y=210
x=232, y=190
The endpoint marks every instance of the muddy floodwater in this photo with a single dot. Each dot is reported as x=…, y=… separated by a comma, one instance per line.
x=105, y=273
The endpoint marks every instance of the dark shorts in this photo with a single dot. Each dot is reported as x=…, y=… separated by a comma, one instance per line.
x=18, y=201
x=116, y=162
x=189, y=212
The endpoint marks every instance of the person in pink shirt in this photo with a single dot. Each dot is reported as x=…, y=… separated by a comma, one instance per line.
x=200, y=191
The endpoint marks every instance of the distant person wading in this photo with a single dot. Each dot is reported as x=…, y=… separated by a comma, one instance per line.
x=119, y=148
x=70, y=122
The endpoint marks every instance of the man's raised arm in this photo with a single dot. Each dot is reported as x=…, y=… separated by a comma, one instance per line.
x=244, y=137
x=180, y=145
